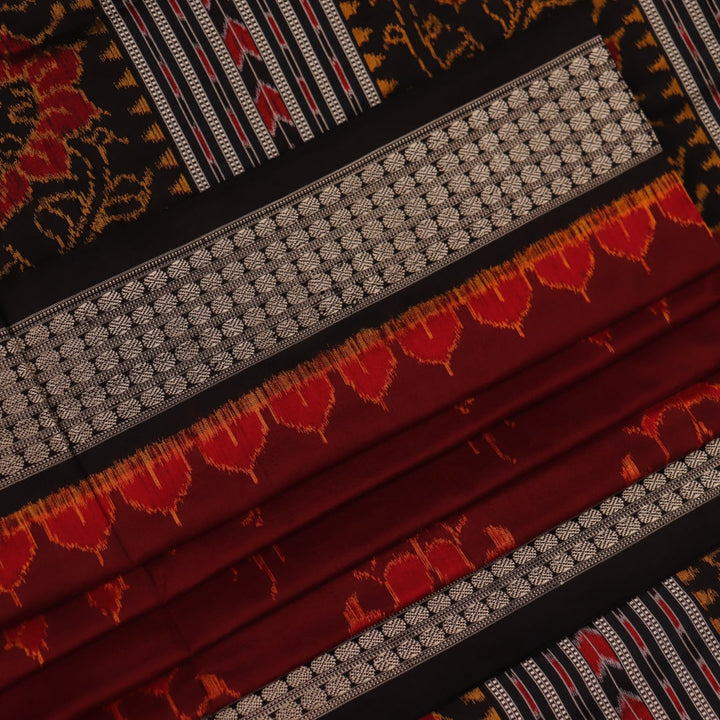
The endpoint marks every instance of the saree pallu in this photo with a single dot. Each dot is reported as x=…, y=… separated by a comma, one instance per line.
x=275, y=436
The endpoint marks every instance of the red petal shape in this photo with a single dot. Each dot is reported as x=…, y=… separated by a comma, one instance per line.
x=568, y=267
x=447, y=559
x=157, y=483
x=64, y=111
x=14, y=190
x=408, y=578
x=108, y=598
x=504, y=304
x=239, y=42
x=235, y=444
x=595, y=649
x=306, y=407
x=271, y=107
x=61, y=67
x=17, y=550
x=370, y=372
x=629, y=238
x=30, y=637
x=433, y=339
x=45, y=157
x=14, y=46
x=81, y=524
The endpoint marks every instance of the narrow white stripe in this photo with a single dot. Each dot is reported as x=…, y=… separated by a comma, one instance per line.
x=157, y=95
x=312, y=60
x=183, y=107
x=714, y=9
x=631, y=668
x=536, y=673
x=351, y=51
x=703, y=71
x=214, y=91
x=704, y=30
x=707, y=633
x=670, y=654
x=504, y=700
x=682, y=70
x=196, y=87
x=701, y=24
x=590, y=679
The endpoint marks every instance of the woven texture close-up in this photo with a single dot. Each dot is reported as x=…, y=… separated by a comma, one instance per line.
x=359, y=359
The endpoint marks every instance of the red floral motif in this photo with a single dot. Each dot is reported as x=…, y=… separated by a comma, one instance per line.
x=630, y=238
x=568, y=267
x=370, y=372
x=305, y=407
x=82, y=525
x=46, y=108
x=688, y=402
x=157, y=484
x=433, y=339
x=235, y=443
x=503, y=304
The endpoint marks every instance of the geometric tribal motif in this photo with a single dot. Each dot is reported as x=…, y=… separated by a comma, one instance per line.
x=657, y=656
x=470, y=605
x=239, y=82
x=667, y=51
x=95, y=364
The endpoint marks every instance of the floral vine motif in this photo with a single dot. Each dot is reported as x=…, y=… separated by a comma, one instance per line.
x=75, y=155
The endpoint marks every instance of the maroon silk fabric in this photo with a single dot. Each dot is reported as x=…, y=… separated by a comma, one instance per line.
x=477, y=466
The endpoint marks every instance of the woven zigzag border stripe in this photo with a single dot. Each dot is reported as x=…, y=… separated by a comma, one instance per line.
x=470, y=605
x=95, y=364
x=238, y=82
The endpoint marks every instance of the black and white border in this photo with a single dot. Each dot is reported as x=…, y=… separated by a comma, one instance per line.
x=468, y=606
x=89, y=367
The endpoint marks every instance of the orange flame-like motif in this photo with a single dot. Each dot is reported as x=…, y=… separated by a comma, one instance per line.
x=155, y=479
